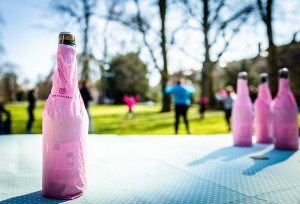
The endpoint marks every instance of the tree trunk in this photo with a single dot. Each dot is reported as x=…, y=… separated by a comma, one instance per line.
x=166, y=102
x=85, y=75
x=207, y=85
x=272, y=57
x=166, y=99
x=208, y=66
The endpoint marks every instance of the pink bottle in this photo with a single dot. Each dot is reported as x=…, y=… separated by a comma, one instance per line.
x=242, y=113
x=285, y=112
x=65, y=128
x=262, y=112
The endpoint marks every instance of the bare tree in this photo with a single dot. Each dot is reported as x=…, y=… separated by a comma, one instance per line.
x=140, y=24
x=209, y=21
x=265, y=9
x=143, y=27
x=81, y=12
x=103, y=63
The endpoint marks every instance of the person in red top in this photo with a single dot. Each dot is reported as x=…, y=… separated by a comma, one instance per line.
x=130, y=101
x=203, y=101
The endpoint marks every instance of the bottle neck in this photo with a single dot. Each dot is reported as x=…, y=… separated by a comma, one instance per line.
x=65, y=77
x=284, y=85
x=264, y=91
x=242, y=87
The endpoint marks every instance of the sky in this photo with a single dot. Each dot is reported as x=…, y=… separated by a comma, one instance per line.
x=29, y=36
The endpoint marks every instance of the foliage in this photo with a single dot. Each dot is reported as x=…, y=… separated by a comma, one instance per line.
x=154, y=94
x=21, y=95
x=127, y=74
x=230, y=73
x=8, y=82
x=192, y=75
x=45, y=85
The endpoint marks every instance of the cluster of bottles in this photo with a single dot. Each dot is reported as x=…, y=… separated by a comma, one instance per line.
x=273, y=120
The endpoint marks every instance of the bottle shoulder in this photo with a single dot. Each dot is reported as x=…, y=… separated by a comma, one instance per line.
x=262, y=101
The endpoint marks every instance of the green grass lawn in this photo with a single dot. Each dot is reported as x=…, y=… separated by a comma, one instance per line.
x=109, y=119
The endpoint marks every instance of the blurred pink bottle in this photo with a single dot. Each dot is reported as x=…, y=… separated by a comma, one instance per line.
x=65, y=127
x=242, y=113
x=285, y=110
x=262, y=112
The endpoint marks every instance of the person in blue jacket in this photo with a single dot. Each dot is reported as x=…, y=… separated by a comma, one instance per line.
x=182, y=93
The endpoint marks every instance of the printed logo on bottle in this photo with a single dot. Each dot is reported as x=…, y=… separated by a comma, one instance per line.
x=65, y=155
x=62, y=90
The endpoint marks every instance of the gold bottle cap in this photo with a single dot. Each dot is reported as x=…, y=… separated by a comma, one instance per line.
x=67, y=38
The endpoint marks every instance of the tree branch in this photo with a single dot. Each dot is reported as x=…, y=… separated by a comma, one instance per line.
x=261, y=10
x=242, y=14
x=62, y=8
x=176, y=30
x=142, y=30
x=190, y=9
x=186, y=53
x=227, y=42
x=217, y=11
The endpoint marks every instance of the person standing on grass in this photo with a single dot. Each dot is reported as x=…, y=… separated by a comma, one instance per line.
x=31, y=98
x=182, y=99
x=228, y=100
x=86, y=97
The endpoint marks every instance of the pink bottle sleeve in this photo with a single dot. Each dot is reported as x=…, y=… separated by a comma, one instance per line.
x=65, y=127
x=242, y=116
x=285, y=120
x=263, y=115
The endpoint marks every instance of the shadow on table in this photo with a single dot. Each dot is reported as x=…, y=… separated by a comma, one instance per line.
x=34, y=197
x=228, y=154
x=274, y=157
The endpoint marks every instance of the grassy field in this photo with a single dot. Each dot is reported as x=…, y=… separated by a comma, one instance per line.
x=108, y=119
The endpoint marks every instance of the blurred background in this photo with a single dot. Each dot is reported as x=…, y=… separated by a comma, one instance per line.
x=133, y=47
